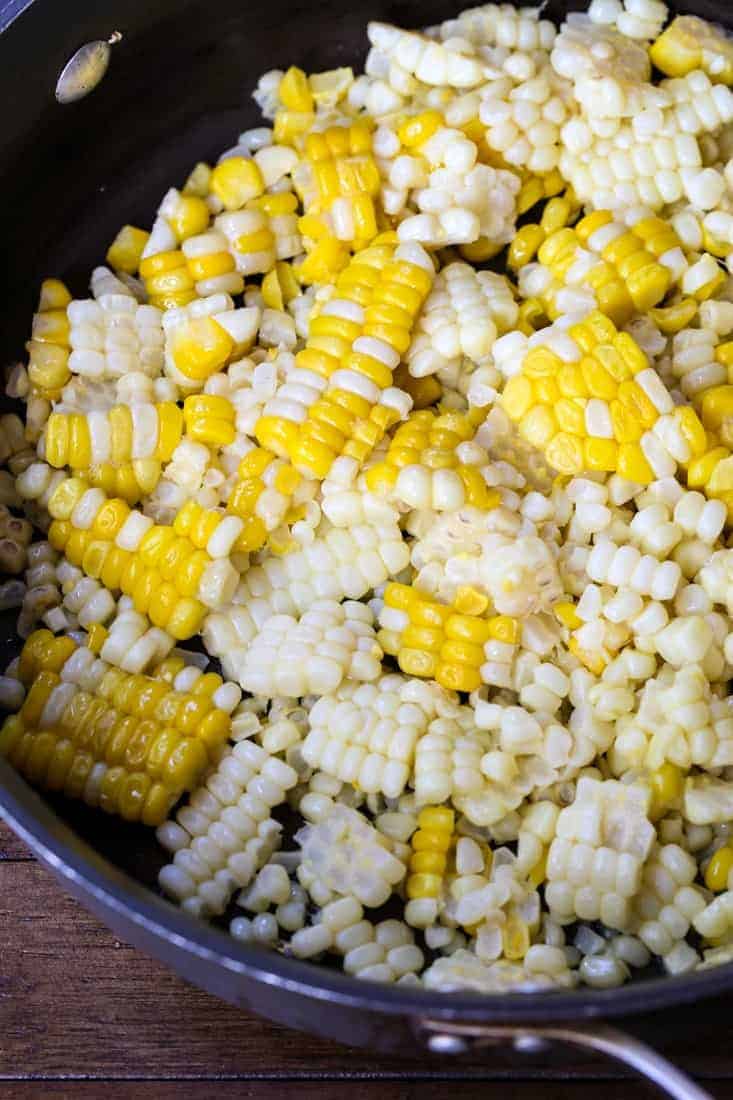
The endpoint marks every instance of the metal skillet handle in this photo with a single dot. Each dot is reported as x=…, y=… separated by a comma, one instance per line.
x=444, y=1037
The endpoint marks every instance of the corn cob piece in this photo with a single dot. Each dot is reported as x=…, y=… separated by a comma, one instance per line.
x=226, y=832
x=169, y=577
x=202, y=338
x=348, y=856
x=460, y=200
x=636, y=165
x=138, y=437
x=428, y=862
x=312, y=655
x=330, y=337
x=211, y=265
x=71, y=734
x=431, y=463
x=439, y=642
x=596, y=861
x=48, y=347
x=601, y=264
x=523, y=125
x=113, y=336
x=667, y=903
x=339, y=178
x=366, y=733
x=607, y=409
x=429, y=61
x=689, y=43
x=359, y=404
x=463, y=314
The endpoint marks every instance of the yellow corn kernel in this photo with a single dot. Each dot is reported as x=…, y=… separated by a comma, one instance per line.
x=525, y=243
x=457, y=677
x=438, y=818
x=567, y=615
x=515, y=937
x=126, y=250
x=666, y=785
x=538, y=426
x=518, y=397
x=198, y=180
x=290, y=125
x=718, y=869
x=423, y=886
x=691, y=43
x=431, y=838
x=724, y=354
x=190, y=217
x=433, y=863
x=601, y=454
x=417, y=130
x=416, y=662
x=480, y=250
x=530, y=193
x=716, y=407
x=633, y=465
x=200, y=348
x=470, y=601
x=293, y=91
x=671, y=319
x=54, y=295
x=565, y=453
x=502, y=628
x=235, y=181
x=323, y=262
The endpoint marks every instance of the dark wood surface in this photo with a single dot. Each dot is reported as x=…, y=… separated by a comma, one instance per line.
x=84, y=1015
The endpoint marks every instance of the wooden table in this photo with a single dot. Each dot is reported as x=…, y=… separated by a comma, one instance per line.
x=83, y=1015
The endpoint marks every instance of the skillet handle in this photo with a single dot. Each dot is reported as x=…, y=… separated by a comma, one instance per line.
x=445, y=1037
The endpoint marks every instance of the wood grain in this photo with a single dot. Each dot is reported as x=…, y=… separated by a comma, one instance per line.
x=82, y=1013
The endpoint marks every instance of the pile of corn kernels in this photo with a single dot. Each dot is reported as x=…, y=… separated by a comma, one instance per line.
x=459, y=540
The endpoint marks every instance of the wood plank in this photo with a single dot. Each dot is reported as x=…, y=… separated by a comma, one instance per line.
x=75, y=1002
x=332, y=1090
x=11, y=846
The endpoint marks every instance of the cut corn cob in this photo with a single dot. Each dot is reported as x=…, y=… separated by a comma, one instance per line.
x=423, y=466
x=597, y=858
x=135, y=761
x=313, y=654
x=170, y=578
x=350, y=857
x=226, y=833
x=438, y=642
x=464, y=313
x=48, y=348
x=607, y=409
x=366, y=733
